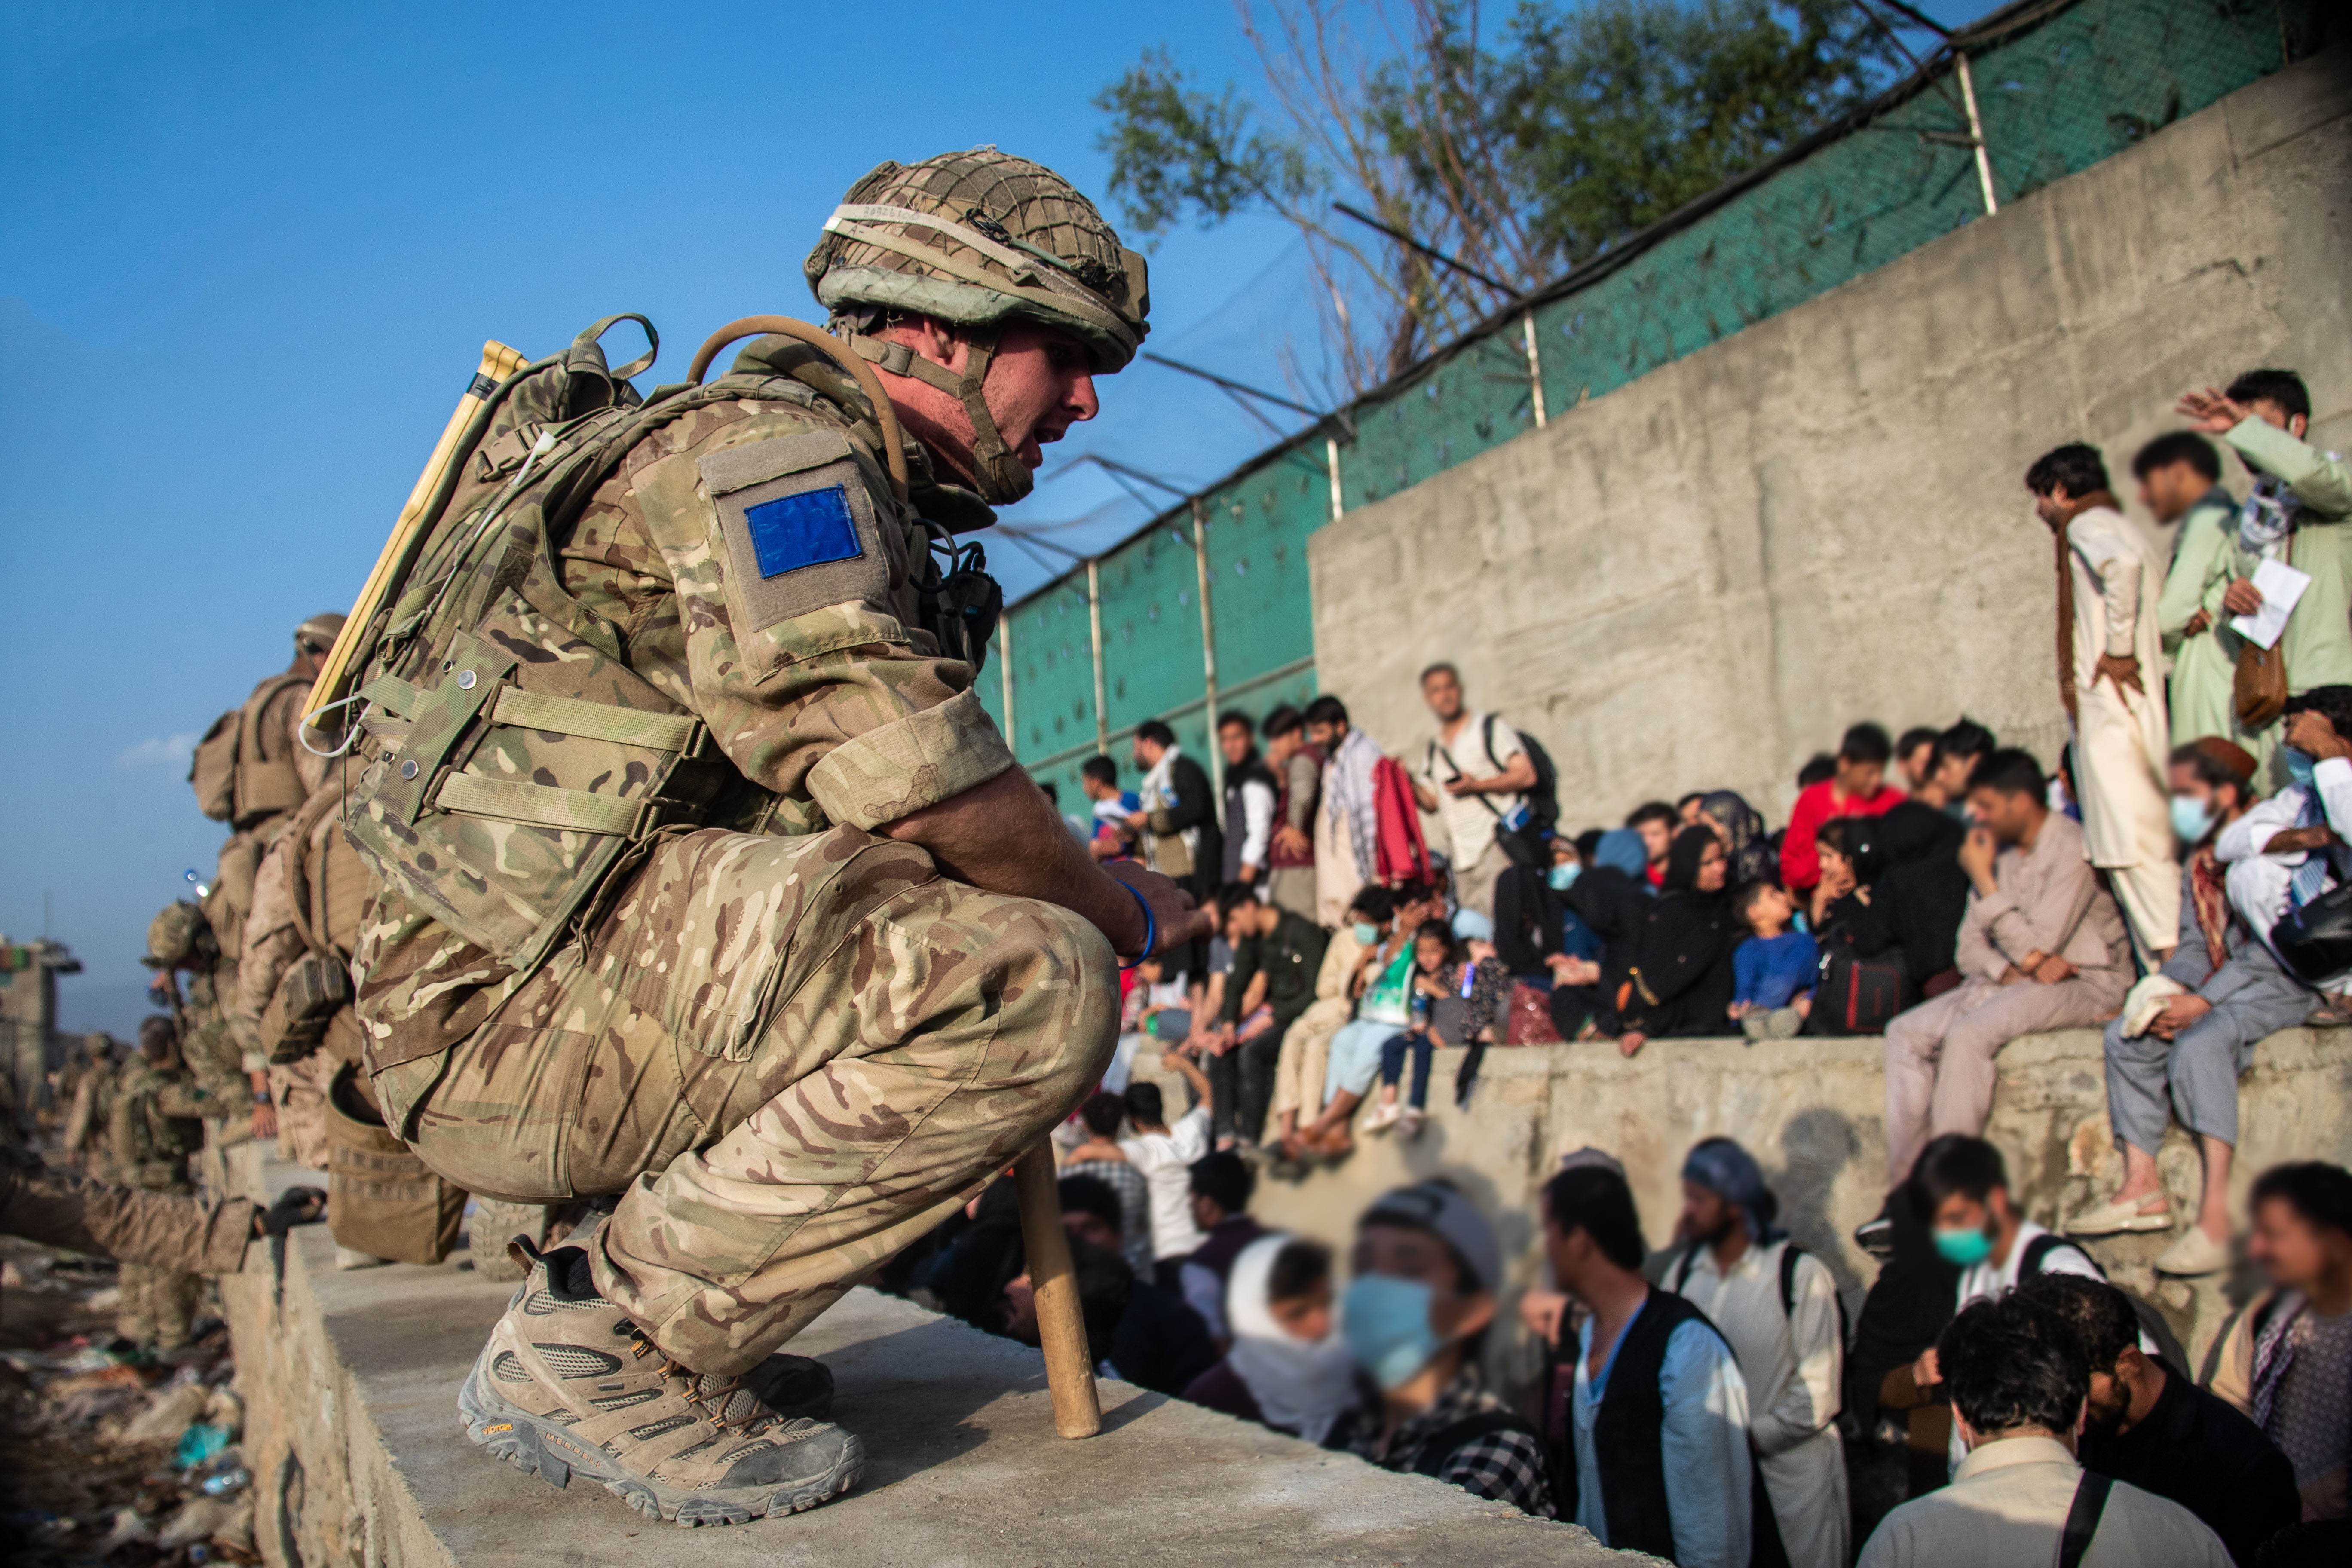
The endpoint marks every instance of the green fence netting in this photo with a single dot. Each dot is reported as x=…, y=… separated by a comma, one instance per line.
x=2059, y=86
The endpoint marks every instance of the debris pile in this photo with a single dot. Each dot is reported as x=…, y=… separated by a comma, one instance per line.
x=109, y=1453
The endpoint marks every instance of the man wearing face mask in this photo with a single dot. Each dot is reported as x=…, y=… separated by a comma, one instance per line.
x=1650, y=1432
x=1427, y=1266
x=1961, y=1190
x=2221, y=991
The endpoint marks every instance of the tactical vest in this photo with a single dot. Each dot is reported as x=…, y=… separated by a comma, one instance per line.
x=514, y=758
x=236, y=781
x=150, y=1148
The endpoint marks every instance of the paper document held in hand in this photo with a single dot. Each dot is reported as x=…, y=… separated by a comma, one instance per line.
x=2280, y=585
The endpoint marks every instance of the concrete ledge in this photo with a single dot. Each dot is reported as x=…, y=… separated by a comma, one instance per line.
x=352, y=1383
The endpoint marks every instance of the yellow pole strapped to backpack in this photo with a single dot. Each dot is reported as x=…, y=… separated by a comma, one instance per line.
x=499, y=361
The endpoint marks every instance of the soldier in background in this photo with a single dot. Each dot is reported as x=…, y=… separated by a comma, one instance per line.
x=158, y=1122
x=180, y=938
x=85, y=1091
x=253, y=770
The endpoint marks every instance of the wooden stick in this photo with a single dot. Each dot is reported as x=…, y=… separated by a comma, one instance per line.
x=1061, y=1323
x=499, y=361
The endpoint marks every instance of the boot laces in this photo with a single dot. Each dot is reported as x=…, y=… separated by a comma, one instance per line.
x=724, y=1401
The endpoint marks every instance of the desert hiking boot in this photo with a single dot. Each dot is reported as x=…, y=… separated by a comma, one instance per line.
x=569, y=1385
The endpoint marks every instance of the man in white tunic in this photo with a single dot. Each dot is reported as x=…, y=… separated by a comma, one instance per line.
x=2111, y=678
x=1776, y=1305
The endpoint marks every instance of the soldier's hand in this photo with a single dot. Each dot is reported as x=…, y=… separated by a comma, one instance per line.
x=1179, y=922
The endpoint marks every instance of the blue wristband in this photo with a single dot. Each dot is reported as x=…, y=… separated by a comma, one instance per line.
x=1151, y=927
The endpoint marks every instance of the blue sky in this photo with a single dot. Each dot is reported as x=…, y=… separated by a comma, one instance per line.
x=251, y=253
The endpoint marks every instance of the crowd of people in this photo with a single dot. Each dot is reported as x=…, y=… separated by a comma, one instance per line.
x=2178, y=877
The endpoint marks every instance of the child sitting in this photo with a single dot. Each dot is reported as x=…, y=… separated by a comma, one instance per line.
x=1774, y=970
x=1436, y=971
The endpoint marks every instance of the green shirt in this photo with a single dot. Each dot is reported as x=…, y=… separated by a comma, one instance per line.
x=2317, y=642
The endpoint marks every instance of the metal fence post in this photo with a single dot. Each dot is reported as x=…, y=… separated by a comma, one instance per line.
x=1534, y=366
x=1976, y=131
x=1094, y=617
x=1207, y=660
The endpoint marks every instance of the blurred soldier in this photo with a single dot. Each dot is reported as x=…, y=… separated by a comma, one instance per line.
x=252, y=770
x=90, y=1104
x=158, y=1122
x=292, y=1006
x=708, y=881
x=166, y=1231
x=180, y=939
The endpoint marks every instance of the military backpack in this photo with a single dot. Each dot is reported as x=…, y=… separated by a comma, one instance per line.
x=516, y=760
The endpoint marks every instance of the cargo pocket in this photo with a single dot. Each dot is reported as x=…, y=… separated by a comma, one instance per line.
x=382, y=1199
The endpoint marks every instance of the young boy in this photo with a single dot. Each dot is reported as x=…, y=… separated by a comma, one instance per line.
x=1774, y=969
x=1114, y=839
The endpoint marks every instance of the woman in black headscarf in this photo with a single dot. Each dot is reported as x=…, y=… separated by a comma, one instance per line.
x=1742, y=831
x=1679, y=979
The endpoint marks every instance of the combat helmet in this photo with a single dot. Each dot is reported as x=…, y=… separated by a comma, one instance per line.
x=975, y=238
x=319, y=633
x=177, y=937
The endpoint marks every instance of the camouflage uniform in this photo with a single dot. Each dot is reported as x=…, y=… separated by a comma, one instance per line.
x=790, y=1043
x=158, y=1122
x=180, y=939
x=154, y=1230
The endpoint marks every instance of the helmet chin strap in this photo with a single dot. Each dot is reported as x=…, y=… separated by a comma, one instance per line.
x=998, y=472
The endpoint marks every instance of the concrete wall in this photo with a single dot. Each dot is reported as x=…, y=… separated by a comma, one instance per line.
x=1814, y=1113
x=1699, y=580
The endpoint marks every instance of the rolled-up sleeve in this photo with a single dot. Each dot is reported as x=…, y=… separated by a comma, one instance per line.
x=930, y=756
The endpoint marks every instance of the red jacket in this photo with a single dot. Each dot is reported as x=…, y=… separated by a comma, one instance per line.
x=1800, y=860
x=1401, y=855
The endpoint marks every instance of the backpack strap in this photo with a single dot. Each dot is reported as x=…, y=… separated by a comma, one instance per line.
x=1683, y=1267
x=1788, y=1256
x=2083, y=1519
x=2041, y=1248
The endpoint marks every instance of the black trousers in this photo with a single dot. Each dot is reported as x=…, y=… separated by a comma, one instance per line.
x=1243, y=1083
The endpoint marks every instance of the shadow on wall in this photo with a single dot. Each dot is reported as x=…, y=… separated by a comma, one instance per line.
x=1816, y=1146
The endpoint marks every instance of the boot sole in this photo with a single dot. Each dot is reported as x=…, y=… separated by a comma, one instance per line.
x=545, y=1449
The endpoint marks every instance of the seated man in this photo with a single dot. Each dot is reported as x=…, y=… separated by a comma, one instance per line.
x=2017, y=1384
x=2041, y=947
x=2148, y=1425
x=1277, y=954
x=2227, y=992
x=2289, y=849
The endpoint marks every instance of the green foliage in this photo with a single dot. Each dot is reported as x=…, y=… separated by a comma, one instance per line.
x=1615, y=114
x=1584, y=125
x=1178, y=152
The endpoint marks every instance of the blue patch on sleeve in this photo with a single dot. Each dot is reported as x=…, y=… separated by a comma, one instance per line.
x=805, y=529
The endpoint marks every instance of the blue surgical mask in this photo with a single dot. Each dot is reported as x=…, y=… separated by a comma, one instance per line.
x=1366, y=934
x=1963, y=1248
x=1562, y=877
x=1386, y=1322
x=2298, y=764
x=2192, y=819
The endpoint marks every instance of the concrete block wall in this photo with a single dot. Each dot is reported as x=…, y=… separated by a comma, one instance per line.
x=1814, y=1113
x=1699, y=580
